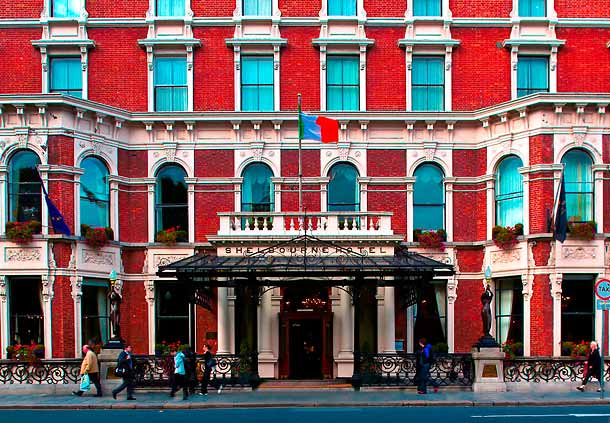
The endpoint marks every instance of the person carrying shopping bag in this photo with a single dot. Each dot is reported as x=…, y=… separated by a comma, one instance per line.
x=125, y=370
x=89, y=368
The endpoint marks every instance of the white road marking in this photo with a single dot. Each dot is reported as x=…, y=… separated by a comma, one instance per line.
x=495, y=416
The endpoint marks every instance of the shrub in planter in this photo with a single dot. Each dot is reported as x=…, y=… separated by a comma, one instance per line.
x=171, y=236
x=22, y=232
x=582, y=230
x=96, y=237
x=506, y=237
x=512, y=349
x=440, y=348
x=430, y=239
x=581, y=350
x=567, y=348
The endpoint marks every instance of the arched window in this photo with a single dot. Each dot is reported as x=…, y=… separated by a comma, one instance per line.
x=509, y=192
x=94, y=194
x=171, y=202
x=578, y=179
x=343, y=191
x=257, y=190
x=428, y=198
x=24, y=199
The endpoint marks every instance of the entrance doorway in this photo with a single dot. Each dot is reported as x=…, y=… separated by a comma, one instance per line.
x=305, y=343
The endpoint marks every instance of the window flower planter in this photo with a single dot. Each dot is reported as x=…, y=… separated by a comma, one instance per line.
x=96, y=237
x=430, y=239
x=582, y=230
x=506, y=237
x=22, y=232
x=171, y=236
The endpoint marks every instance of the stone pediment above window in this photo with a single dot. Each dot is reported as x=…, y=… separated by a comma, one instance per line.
x=256, y=33
x=533, y=42
x=533, y=32
x=68, y=42
x=343, y=34
x=432, y=32
x=169, y=33
x=430, y=42
x=158, y=42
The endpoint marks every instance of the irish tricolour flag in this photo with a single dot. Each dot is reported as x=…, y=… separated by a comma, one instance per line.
x=318, y=128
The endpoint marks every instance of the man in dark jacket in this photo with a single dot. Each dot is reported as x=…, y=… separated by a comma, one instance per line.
x=422, y=367
x=208, y=363
x=125, y=369
x=593, y=367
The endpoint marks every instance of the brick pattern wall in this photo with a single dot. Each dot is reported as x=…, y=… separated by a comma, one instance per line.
x=133, y=199
x=385, y=73
x=300, y=69
x=217, y=8
x=21, y=9
x=385, y=9
x=61, y=192
x=134, y=316
x=481, y=8
x=387, y=163
x=20, y=58
x=468, y=325
x=541, y=317
x=299, y=8
x=575, y=9
x=207, y=324
x=117, y=8
x=606, y=158
x=62, y=320
x=542, y=195
x=470, y=199
x=310, y=160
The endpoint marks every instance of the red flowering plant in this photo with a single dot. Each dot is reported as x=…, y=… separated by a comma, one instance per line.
x=25, y=352
x=506, y=236
x=96, y=237
x=430, y=239
x=582, y=230
x=171, y=235
x=581, y=350
x=22, y=232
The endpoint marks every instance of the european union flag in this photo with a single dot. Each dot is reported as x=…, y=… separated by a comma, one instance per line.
x=57, y=220
x=561, y=217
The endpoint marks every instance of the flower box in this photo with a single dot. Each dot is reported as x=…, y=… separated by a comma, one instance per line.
x=430, y=239
x=22, y=232
x=582, y=230
x=506, y=236
x=29, y=353
x=171, y=236
x=96, y=237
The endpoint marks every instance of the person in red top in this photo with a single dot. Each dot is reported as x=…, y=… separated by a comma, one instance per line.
x=593, y=367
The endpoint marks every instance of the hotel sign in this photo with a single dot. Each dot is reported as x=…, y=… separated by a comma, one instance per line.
x=310, y=250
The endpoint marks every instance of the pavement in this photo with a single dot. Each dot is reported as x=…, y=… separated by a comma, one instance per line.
x=296, y=399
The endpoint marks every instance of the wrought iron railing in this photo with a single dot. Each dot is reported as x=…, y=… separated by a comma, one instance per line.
x=547, y=369
x=400, y=369
x=231, y=370
x=51, y=372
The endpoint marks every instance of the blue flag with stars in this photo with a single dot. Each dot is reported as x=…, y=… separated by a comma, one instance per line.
x=561, y=217
x=57, y=220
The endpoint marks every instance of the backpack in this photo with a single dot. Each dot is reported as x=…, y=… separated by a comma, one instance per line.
x=431, y=358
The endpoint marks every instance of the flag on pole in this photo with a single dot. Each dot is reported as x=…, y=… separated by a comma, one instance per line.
x=561, y=217
x=57, y=220
x=318, y=128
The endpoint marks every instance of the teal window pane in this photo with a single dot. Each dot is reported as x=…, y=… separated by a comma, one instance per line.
x=532, y=75
x=342, y=83
x=171, y=92
x=257, y=8
x=342, y=7
x=532, y=8
x=94, y=194
x=171, y=202
x=429, y=198
x=426, y=7
x=66, y=76
x=578, y=179
x=257, y=189
x=343, y=189
x=24, y=187
x=66, y=8
x=428, y=83
x=171, y=8
x=257, y=83
x=509, y=192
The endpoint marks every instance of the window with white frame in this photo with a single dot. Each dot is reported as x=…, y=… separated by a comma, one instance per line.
x=65, y=8
x=66, y=76
x=26, y=311
x=342, y=83
x=170, y=84
x=95, y=313
x=532, y=75
x=257, y=83
x=579, y=185
x=509, y=192
x=428, y=83
x=532, y=8
x=509, y=313
x=170, y=8
x=257, y=8
x=428, y=198
x=341, y=7
x=427, y=7
x=94, y=194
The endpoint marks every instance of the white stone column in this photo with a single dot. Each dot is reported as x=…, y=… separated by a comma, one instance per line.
x=389, y=315
x=526, y=204
x=410, y=329
x=344, y=318
x=490, y=193
x=449, y=212
x=77, y=293
x=224, y=346
x=151, y=212
x=381, y=323
x=47, y=300
x=451, y=297
x=231, y=297
x=191, y=208
x=149, y=289
x=114, y=209
x=4, y=317
x=528, y=283
x=556, y=281
x=3, y=210
x=266, y=360
x=410, y=208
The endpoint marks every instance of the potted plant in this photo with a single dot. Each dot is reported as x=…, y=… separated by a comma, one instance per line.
x=38, y=351
x=506, y=236
x=161, y=349
x=171, y=235
x=580, y=350
x=22, y=232
x=430, y=239
x=567, y=348
x=96, y=237
x=512, y=349
x=582, y=230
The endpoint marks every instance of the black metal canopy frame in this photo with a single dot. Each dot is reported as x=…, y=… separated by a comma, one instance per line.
x=309, y=261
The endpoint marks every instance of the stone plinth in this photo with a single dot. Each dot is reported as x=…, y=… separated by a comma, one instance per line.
x=108, y=359
x=488, y=370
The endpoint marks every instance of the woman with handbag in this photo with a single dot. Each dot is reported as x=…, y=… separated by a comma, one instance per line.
x=125, y=370
x=592, y=367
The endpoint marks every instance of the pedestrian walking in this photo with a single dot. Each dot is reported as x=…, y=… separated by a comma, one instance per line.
x=424, y=359
x=208, y=364
x=190, y=369
x=593, y=367
x=91, y=368
x=179, y=380
x=125, y=370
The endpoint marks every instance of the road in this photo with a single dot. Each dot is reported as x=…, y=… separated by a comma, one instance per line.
x=321, y=415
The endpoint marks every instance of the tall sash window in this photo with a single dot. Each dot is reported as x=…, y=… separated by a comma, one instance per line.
x=578, y=179
x=509, y=192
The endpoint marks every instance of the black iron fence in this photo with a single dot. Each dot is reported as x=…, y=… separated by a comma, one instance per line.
x=547, y=369
x=400, y=369
x=50, y=372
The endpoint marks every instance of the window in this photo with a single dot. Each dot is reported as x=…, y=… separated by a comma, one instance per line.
x=428, y=198
x=257, y=84
x=426, y=7
x=25, y=305
x=532, y=8
x=171, y=202
x=65, y=8
x=509, y=192
x=577, y=309
x=341, y=7
x=257, y=191
x=578, y=179
x=428, y=83
x=509, y=311
x=24, y=196
x=532, y=75
x=66, y=76
x=343, y=189
x=173, y=314
x=94, y=194
x=170, y=8
x=342, y=83
x=257, y=8
x=170, y=84
x=94, y=310
x=431, y=315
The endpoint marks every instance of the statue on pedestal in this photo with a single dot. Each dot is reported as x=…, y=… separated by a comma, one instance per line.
x=486, y=298
x=115, y=298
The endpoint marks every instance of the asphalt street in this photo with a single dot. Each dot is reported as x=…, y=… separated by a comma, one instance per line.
x=321, y=415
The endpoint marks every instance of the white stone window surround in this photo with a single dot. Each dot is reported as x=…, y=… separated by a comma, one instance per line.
x=445, y=11
x=67, y=51
x=256, y=50
x=429, y=50
x=177, y=51
x=356, y=51
x=540, y=50
x=360, y=12
x=238, y=12
x=550, y=11
x=152, y=12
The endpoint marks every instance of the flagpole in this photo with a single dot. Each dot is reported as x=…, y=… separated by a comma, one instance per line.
x=300, y=166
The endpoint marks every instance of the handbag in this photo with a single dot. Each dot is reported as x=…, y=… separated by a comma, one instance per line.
x=120, y=372
x=85, y=383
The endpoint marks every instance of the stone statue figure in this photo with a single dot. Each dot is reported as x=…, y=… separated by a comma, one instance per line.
x=115, y=310
x=486, y=298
